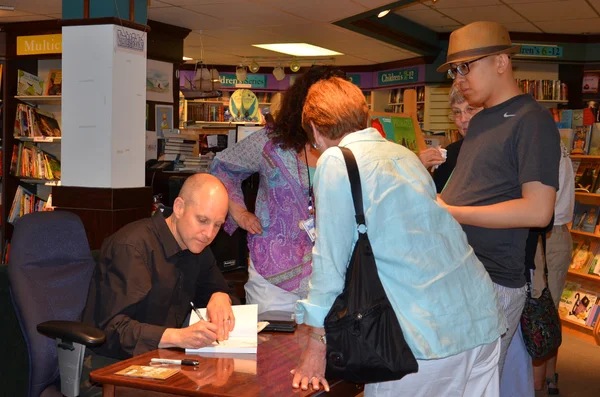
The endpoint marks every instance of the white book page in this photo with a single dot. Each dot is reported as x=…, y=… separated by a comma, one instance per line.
x=243, y=338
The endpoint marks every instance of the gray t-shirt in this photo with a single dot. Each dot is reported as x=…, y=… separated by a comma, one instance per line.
x=506, y=146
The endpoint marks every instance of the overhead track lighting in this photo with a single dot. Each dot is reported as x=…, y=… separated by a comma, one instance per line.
x=254, y=66
x=295, y=66
x=279, y=73
x=383, y=13
x=241, y=73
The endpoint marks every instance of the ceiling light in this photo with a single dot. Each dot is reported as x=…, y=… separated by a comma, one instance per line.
x=241, y=73
x=188, y=59
x=298, y=49
x=254, y=66
x=279, y=73
x=383, y=13
x=6, y=8
x=295, y=66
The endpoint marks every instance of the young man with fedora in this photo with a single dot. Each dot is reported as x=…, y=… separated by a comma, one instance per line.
x=506, y=177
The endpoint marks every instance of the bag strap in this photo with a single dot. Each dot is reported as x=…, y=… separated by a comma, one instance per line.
x=355, y=185
x=528, y=272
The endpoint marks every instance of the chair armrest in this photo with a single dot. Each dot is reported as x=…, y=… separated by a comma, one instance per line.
x=73, y=331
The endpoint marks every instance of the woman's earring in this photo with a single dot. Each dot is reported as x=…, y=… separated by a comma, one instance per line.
x=315, y=145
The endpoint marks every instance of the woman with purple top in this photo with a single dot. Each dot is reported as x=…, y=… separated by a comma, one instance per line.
x=279, y=234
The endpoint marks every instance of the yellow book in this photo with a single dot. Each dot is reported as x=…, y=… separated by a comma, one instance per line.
x=148, y=372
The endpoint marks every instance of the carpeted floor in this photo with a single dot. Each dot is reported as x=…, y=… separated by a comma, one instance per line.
x=578, y=368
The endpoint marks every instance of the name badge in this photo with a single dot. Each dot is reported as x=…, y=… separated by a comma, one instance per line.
x=309, y=226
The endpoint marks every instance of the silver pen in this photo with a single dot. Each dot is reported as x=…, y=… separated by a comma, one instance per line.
x=200, y=316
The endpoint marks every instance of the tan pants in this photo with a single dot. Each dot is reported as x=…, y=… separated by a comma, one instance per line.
x=558, y=255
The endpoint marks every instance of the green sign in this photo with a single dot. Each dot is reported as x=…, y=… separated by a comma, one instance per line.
x=540, y=51
x=398, y=76
x=354, y=78
x=255, y=80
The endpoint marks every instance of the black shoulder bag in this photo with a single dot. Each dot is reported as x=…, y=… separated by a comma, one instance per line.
x=365, y=343
x=540, y=323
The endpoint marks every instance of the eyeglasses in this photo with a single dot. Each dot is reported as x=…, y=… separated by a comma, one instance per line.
x=469, y=111
x=463, y=69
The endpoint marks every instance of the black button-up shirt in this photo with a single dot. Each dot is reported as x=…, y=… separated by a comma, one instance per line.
x=144, y=283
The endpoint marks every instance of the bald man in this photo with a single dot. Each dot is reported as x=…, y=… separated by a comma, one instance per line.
x=151, y=269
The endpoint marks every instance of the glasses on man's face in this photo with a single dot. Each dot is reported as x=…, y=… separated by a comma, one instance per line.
x=457, y=113
x=463, y=69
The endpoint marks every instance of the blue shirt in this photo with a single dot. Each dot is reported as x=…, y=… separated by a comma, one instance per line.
x=441, y=293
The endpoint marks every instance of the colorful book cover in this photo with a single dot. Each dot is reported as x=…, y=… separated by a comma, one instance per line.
x=29, y=84
x=54, y=83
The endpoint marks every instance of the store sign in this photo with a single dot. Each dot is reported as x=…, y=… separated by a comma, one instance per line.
x=254, y=80
x=354, y=78
x=40, y=44
x=540, y=51
x=130, y=40
x=398, y=76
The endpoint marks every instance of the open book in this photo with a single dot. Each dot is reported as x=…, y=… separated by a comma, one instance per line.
x=243, y=338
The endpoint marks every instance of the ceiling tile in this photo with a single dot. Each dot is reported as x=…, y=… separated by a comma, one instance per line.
x=412, y=6
x=243, y=13
x=428, y=17
x=595, y=4
x=500, y=14
x=15, y=13
x=525, y=1
x=317, y=10
x=211, y=57
x=33, y=6
x=370, y=4
x=185, y=18
x=460, y=3
x=239, y=35
x=159, y=4
x=25, y=18
x=522, y=27
x=555, y=10
x=572, y=26
x=449, y=28
x=196, y=2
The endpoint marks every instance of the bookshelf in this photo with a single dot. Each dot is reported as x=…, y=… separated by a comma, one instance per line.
x=581, y=276
x=39, y=188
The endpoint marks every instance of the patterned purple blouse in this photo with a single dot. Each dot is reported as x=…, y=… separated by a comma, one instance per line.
x=282, y=254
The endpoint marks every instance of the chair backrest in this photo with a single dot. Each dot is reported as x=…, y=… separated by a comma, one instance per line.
x=50, y=268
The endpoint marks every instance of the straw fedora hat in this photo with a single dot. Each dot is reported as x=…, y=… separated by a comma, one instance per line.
x=478, y=40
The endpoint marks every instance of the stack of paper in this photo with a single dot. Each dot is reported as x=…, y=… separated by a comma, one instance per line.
x=243, y=338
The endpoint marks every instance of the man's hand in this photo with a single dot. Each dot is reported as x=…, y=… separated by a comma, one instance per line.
x=220, y=314
x=195, y=336
x=430, y=157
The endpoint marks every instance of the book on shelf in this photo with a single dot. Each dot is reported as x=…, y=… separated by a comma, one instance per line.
x=594, y=148
x=585, y=217
x=544, y=90
x=53, y=83
x=29, y=161
x=583, y=254
x=576, y=304
x=29, y=84
x=35, y=122
x=582, y=136
x=25, y=202
x=586, y=176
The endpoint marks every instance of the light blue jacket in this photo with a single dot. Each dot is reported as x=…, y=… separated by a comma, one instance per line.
x=441, y=293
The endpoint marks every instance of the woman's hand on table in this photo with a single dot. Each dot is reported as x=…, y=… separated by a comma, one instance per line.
x=311, y=369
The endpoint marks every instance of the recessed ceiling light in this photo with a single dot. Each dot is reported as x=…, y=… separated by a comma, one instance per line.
x=383, y=13
x=298, y=49
x=188, y=59
x=6, y=8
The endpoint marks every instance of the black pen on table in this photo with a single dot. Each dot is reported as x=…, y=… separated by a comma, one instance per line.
x=200, y=316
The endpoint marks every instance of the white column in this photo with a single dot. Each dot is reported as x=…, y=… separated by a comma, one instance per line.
x=103, y=106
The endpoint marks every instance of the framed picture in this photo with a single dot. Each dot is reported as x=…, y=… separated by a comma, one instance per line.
x=163, y=118
x=159, y=81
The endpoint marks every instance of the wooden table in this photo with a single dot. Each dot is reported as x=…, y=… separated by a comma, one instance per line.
x=265, y=374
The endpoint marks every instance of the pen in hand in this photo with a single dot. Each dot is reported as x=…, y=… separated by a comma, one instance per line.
x=200, y=316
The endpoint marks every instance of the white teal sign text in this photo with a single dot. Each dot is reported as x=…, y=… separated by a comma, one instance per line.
x=255, y=80
x=398, y=76
x=540, y=51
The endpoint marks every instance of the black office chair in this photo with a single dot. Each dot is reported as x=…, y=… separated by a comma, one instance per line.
x=49, y=269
